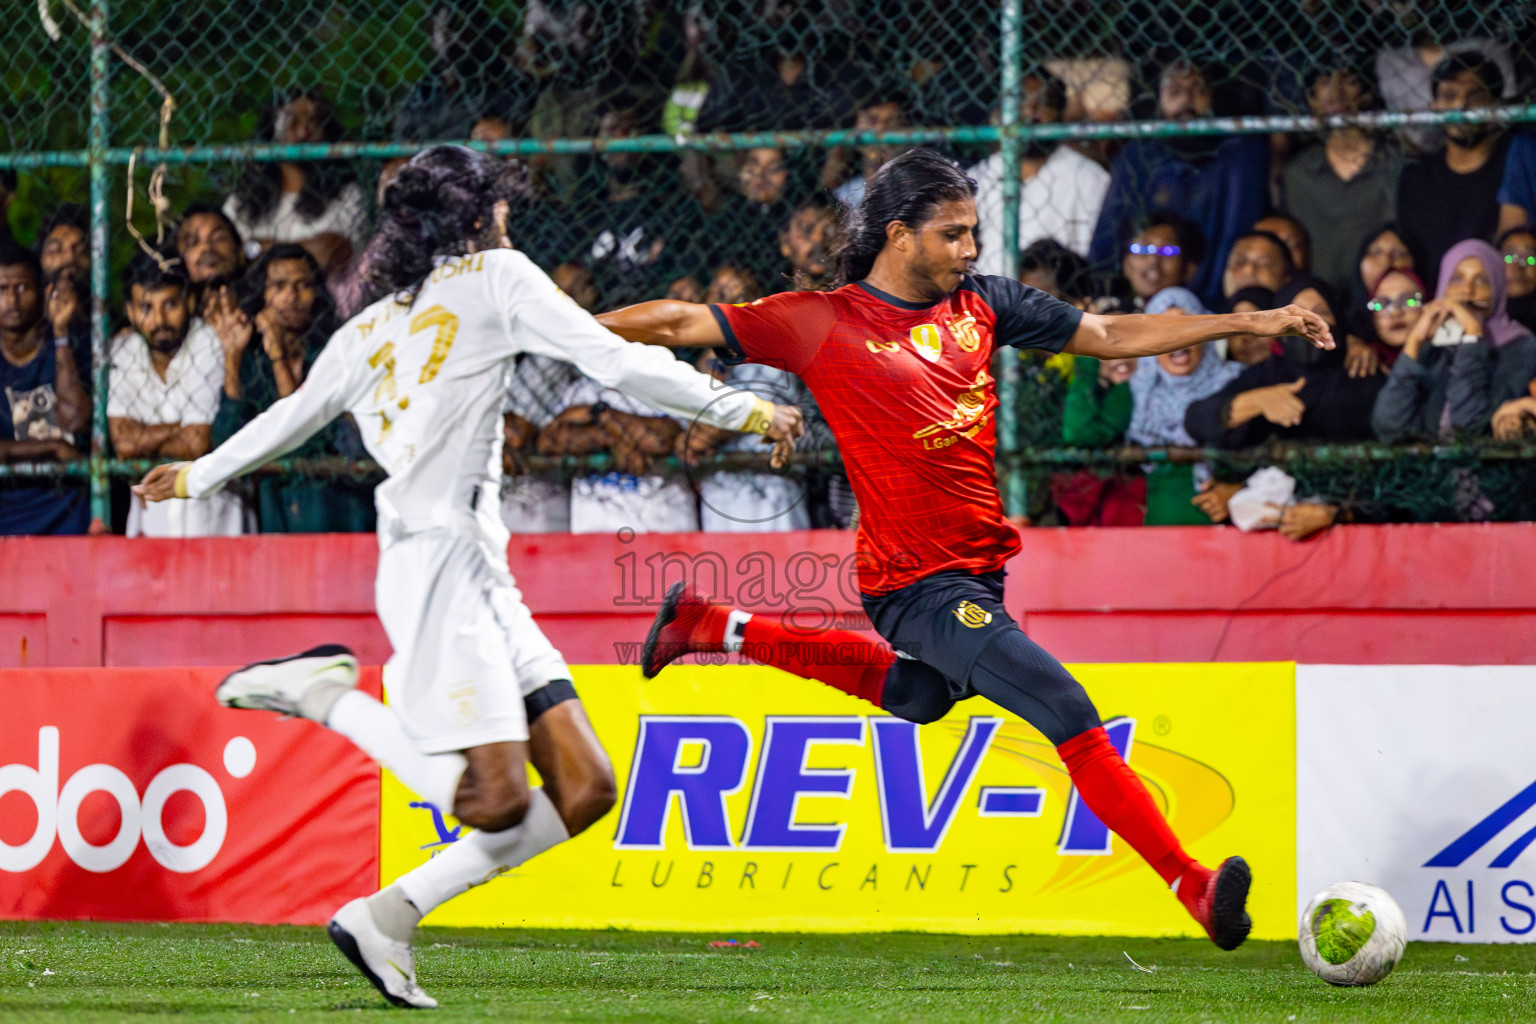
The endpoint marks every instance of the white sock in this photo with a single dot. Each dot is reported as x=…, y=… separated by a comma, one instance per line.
x=481, y=856
x=393, y=913
x=735, y=629
x=378, y=733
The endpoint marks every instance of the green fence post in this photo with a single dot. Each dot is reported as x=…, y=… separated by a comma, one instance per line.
x=101, y=510
x=1006, y=365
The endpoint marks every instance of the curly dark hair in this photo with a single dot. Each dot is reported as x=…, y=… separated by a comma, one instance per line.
x=251, y=291
x=907, y=189
x=438, y=205
x=260, y=185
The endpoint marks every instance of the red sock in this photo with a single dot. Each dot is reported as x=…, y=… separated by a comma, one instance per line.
x=843, y=660
x=1120, y=800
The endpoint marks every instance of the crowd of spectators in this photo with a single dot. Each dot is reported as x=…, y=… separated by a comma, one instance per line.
x=1353, y=223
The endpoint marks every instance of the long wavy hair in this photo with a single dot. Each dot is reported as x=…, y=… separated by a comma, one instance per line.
x=251, y=292
x=440, y=202
x=260, y=185
x=909, y=189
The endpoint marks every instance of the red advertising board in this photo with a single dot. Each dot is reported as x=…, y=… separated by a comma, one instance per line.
x=1394, y=594
x=130, y=795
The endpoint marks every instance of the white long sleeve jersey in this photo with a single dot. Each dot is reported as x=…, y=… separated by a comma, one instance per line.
x=426, y=382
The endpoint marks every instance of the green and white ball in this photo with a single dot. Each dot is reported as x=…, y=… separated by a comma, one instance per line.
x=1352, y=934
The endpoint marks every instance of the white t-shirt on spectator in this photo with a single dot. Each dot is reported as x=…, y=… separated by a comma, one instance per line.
x=537, y=503
x=612, y=501
x=189, y=393
x=1062, y=202
x=347, y=215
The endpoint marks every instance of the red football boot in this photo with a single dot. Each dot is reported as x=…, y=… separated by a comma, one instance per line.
x=1218, y=904
x=685, y=624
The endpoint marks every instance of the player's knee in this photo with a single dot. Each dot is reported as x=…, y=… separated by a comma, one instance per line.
x=916, y=692
x=1078, y=714
x=931, y=711
x=922, y=707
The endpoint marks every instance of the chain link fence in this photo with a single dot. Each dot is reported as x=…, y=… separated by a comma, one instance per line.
x=702, y=151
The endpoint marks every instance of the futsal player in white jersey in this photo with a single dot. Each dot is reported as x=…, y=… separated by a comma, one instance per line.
x=423, y=371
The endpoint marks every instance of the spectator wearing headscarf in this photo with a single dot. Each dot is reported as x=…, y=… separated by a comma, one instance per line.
x=1389, y=247
x=1302, y=393
x=1464, y=357
x=1394, y=308
x=1162, y=390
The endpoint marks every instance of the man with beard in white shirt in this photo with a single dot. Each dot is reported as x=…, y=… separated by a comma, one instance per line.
x=163, y=393
x=423, y=371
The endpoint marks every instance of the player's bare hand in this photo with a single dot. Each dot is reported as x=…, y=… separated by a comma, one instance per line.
x=159, y=483
x=788, y=426
x=1277, y=323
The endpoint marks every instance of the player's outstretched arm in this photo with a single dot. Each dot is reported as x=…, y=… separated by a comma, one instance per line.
x=1140, y=334
x=562, y=330
x=284, y=426
x=665, y=322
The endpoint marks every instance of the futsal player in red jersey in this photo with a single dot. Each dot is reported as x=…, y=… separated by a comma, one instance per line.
x=899, y=361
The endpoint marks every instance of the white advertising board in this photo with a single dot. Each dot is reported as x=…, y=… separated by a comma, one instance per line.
x=1422, y=779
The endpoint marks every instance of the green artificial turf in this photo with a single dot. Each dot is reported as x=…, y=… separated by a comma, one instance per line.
x=101, y=972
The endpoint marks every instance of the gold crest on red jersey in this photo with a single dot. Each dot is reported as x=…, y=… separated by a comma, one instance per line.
x=928, y=341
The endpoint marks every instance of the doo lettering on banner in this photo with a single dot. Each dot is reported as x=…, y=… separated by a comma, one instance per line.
x=129, y=794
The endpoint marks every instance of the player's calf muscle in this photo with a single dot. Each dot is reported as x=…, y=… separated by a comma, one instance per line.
x=576, y=771
x=493, y=794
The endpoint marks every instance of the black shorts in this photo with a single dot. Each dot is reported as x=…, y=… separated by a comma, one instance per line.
x=945, y=620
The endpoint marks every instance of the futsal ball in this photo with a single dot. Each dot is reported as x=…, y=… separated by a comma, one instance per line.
x=1352, y=934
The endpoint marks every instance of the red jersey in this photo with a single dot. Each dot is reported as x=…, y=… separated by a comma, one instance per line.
x=907, y=390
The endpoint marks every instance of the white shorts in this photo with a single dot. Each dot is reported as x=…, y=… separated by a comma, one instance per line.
x=466, y=648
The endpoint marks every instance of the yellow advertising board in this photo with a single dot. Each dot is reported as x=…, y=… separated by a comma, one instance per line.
x=753, y=800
